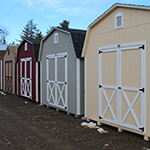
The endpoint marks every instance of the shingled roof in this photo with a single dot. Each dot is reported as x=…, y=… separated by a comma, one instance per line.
x=13, y=48
x=36, y=47
x=78, y=37
x=2, y=53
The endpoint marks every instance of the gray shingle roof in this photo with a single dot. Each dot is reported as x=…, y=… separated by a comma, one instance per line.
x=36, y=47
x=3, y=47
x=2, y=53
x=78, y=37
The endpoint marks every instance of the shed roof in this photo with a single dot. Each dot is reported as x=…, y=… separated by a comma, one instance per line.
x=105, y=14
x=13, y=48
x=3, y=47
x=78, y=37
x=115, y=6
x=2, y=53
x=36, y=46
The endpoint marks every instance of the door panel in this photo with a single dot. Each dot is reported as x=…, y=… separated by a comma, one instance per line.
x=26, y=77
x=57, y=80
x=122, y=85
x=8, y=76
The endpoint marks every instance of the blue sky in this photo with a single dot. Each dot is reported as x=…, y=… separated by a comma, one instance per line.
x=14, y=14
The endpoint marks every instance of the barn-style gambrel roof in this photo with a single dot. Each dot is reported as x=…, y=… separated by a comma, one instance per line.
x=36, y=46
x=77, y=35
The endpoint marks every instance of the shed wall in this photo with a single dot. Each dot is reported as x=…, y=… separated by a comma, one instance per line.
x=26, y=54
x=135, y=29
x=10, y=57
x=64, y=45
x=1, y=74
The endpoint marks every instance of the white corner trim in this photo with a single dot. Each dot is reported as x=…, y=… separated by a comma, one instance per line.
x=17, y=79
x=78, y=86
x=41, y=82
x=1, y=71
x=85, y=115
x=37, y=98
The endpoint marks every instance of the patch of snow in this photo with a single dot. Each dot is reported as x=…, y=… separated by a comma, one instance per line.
x=2, y=93
x=101, y=130
x=90, y=125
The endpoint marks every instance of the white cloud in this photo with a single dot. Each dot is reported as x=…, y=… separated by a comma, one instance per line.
x=50, y=16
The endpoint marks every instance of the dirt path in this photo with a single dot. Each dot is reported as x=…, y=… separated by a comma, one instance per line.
x=33, y=127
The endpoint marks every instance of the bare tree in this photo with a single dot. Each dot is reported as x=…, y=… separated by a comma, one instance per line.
x=4, y=33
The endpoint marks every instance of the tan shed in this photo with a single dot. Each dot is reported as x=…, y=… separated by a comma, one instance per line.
x=9, y=70
x=117, y=74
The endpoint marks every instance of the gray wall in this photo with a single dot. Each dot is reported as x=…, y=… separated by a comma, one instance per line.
x=64, y=45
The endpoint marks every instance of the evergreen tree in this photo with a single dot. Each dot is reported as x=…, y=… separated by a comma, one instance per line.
x=65, y=24
x=31, y=31
x=39, y=35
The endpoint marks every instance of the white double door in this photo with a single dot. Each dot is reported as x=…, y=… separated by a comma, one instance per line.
x=26, y=77
x=57, y=80
x=122, y=85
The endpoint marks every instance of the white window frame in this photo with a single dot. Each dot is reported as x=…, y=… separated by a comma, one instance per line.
x=55, y=38
x=26, y=46
x=119, y=14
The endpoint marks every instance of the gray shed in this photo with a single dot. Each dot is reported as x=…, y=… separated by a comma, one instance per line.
x=62, y=70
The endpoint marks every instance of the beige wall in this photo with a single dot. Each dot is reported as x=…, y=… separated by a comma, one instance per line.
x=9, y=57
x=136, y=28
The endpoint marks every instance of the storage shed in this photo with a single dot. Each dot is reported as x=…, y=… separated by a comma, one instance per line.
x=2, y=52
x=62, y=70
x=28, y=70
x=117, y=74
x=3, y=48
x=9, y=70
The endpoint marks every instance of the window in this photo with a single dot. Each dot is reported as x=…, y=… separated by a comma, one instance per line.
x=55, y=38
x=119, y=20
x=26, y=46
x=8, y=51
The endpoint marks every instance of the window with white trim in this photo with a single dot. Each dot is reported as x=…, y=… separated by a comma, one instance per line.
x=26, y=46
x=55, y=38
x=119, y=20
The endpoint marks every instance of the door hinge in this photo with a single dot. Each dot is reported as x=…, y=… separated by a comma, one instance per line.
x=100, y=117
x=100, y=86
x=142, y=129
x=100, y=52
x=118, y=45
x=143, y=47
x=143, y=90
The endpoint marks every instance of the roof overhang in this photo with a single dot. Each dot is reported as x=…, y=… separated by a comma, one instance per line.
x=105, y=14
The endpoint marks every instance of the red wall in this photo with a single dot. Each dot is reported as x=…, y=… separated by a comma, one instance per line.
x=25, y=54
x=1, y=72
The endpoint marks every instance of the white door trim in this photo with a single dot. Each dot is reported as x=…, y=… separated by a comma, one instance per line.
x=56, y=83
x=26, y=86
x=131, y=46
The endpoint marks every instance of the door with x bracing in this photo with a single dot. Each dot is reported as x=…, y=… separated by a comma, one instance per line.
x=122, y=85
x=57, y=80
x=26, y=77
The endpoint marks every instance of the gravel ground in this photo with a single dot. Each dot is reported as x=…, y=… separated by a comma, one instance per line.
x=25, y=125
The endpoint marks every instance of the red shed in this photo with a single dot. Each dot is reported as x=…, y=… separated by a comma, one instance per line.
x=28, y=69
